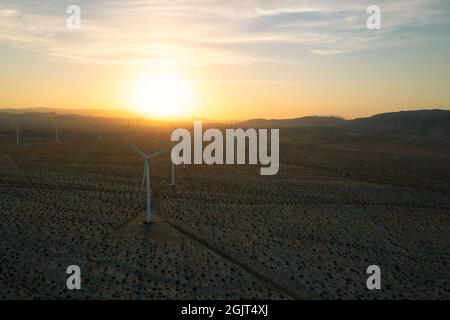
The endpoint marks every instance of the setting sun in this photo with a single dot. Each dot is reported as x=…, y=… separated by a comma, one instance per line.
x=162, y=94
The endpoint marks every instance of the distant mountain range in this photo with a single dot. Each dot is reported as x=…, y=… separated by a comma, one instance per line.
x=97, y=113
x=114, y=113
x=403, y=122
x=312, y=121
x=419, y=122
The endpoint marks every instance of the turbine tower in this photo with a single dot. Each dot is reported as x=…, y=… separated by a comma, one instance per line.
x=55, y=128
x=99, y=136
x=146, y=178
x=18, y=131
x=172, y=144
x=172, y=182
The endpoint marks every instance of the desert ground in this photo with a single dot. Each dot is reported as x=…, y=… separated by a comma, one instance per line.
x=340, y=202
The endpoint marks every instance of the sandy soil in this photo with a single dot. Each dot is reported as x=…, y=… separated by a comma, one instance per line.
x=339, y=204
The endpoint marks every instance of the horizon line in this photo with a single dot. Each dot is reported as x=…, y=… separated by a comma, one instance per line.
x=137, y=115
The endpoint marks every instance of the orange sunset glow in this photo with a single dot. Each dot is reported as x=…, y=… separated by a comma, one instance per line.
x=242, y=60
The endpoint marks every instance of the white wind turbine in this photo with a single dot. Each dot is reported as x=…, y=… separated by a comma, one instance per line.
x=146, y=176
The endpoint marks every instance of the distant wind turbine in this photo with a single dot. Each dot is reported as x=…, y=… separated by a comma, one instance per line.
x=99, y=131
x=55, y=128
x=18, y=132
x=146, y=176
x=172, y=183
x=173, y=143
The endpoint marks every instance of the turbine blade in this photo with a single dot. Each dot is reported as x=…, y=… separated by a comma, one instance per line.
x=136, y=149
x=158, y=153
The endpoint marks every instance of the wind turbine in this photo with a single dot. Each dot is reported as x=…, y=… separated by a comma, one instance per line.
x=146, y=176
x=55, y=127
x=172, y=183
x=18, y=132
x=99, y=131
x=172, y=143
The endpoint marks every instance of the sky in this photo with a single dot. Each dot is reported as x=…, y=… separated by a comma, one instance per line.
x=238, y=59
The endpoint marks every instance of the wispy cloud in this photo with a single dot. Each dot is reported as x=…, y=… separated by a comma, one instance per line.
x=200, y=32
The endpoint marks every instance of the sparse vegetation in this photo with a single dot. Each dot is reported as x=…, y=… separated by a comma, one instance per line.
x=339, y=203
